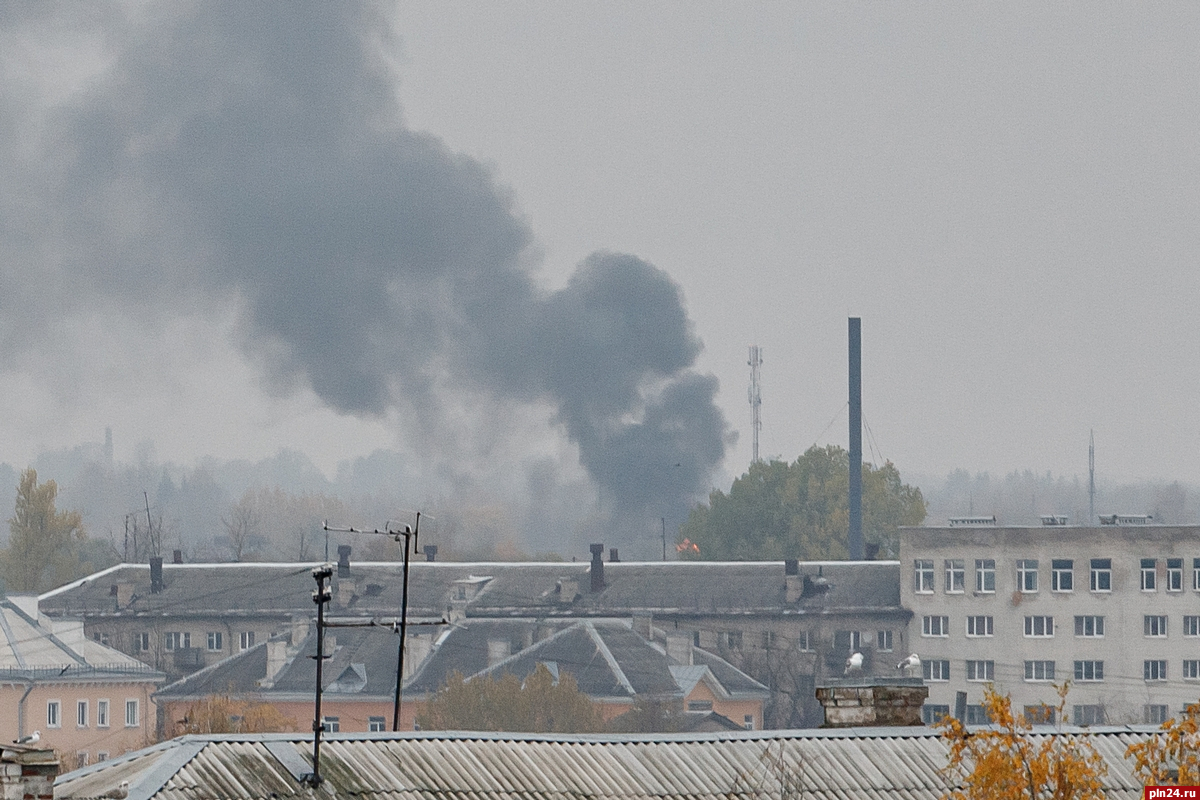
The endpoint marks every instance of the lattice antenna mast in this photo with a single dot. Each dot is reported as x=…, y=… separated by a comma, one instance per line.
x=755, y=363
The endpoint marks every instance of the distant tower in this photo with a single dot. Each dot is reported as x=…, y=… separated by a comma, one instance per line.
x=1091, y=477
x=755, y=396
x=855, y=532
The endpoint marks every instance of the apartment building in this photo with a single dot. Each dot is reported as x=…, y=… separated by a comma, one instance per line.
x=1113, y=608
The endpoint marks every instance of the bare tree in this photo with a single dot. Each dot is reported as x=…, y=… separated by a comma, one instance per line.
x=241, y=526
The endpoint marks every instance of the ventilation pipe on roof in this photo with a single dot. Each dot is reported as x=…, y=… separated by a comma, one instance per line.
x=343, y=561
x=498, y=650
x=612, y=555
x=177, y=557
x=156, y=578
x=597, y=570
x=793, y=583
x=431, y=552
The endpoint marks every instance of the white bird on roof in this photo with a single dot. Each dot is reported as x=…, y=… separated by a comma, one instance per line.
x=119, y=793
x=32, y=738
x=854, y=663
x=912, y=662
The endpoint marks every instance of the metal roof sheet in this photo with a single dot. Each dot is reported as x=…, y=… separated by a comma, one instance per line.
x=898, y=763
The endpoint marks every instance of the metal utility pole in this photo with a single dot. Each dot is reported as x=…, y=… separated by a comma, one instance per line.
x=1091, y=477
x=855, y=537
x=321, y=595
x=664, y=531
x=407, y=533
x=755, y=363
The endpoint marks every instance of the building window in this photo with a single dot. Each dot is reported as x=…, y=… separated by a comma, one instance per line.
x=1174, y=574
x=936, y=670
x=141, y=642
x=1088, y=715
x=215, y=641
x=1089, y=670
x=923, y=576
x=102, y=756
x=1155, y=625
x=804, y=642
x=985, y=575
x=1191, y=670
x=1191, y=626
x=1062, y=575
x=331, y=724
x=977, y=715
x=883, y=641
x=175, y=640
x=81, y=759
x=1154, y=714
x=1196, y=574
x=1149, y=566
x=1101, y=575
x=981, y=670
x=956, y=576
x=695, y=638
x=700, y=705
x=1154, y=670
x=935, y=626
x=246, y=640
x=1039, y=715
x=1039, y=670
x=748, y=722
x=54, y=714
x=979, y=626
x=847, y=641
x=768, y=640
x=1027, y=574
x=132, y=718
x=376, y=725
x=1089, y=626
x=81, y=714
x=101, y=638
x=101, y=713
x=733, y=640
x=1039, y=627
x=933, y=714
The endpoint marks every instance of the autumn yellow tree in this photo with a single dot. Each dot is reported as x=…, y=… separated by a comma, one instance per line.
x=1171, y=757
x=44, y=544
x=1006, y=762
x=540, y=704
x=222, y=713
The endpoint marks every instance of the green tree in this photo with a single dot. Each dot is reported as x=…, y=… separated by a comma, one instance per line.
x=540, y=704
x=45, y=546
x=800, y=510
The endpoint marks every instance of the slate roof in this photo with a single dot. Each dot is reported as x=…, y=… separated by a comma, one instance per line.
x=868, y=763
x=684, y=587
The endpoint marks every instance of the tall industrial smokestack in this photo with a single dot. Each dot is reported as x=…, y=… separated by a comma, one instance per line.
x=856, y=534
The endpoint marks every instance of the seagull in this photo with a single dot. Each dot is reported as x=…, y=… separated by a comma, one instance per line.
x=854, y=663
x=32, y=738
x=119, y=793
x=912, y=662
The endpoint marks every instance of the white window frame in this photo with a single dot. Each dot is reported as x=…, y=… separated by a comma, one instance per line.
x=142, y=643
x=134, y=705
x=1191, y=625
x=981, y=671
x=980, y=626
x=923, y=576
x=1034, y=667
x=748, y=721
x=937, y=670
x=1089, y=671
x=1095, y=711
x=1082, y=622
x=81, y=713
x=54, y=713
x=883, y=641
x=1027, y=575
x=1034, y=622
x=1154, y=670
x=376, y=724
x=215, y=638
x=1149, y=574
x=1062, y=579
x=804, y=642
x=935, y=626
x=1191, y=669
x=1154, y=626
x=956, y=575
x=331, y=724
x=1174, y=574
x=1196, y=574
x=1097, y=573
x=246, y=640
x=102, y=715
x=985, y=573
x=1155, y=714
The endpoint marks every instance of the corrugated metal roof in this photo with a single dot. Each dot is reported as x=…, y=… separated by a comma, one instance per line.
x=897, y=763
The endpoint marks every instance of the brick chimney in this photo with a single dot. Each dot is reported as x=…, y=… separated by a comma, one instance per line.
x=872, y=701
x=793, y=583
x=27, y=772
x=597, y=570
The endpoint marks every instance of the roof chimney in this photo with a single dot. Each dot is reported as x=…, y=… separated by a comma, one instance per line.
x=177, y=557
x=612, y=555
x=431, y=552
x=793, y=584
x=498, y=650
x=343, y=561
x=597, y=570
x=872, y=702
x=156, y=580
x=872, y=553
x=28, y=772
x=679, y=647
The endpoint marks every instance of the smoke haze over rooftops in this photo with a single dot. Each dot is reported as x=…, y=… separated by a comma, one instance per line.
x=250, y=162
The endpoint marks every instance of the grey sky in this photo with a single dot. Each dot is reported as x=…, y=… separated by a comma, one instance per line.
x=1007, y=194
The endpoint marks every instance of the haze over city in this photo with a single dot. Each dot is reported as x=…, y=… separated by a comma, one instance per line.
x=526, y=246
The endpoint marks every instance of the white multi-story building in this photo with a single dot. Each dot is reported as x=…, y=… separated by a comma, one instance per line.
x=1115, y=609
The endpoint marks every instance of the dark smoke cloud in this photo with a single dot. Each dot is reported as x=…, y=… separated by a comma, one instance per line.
x=254, y=154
